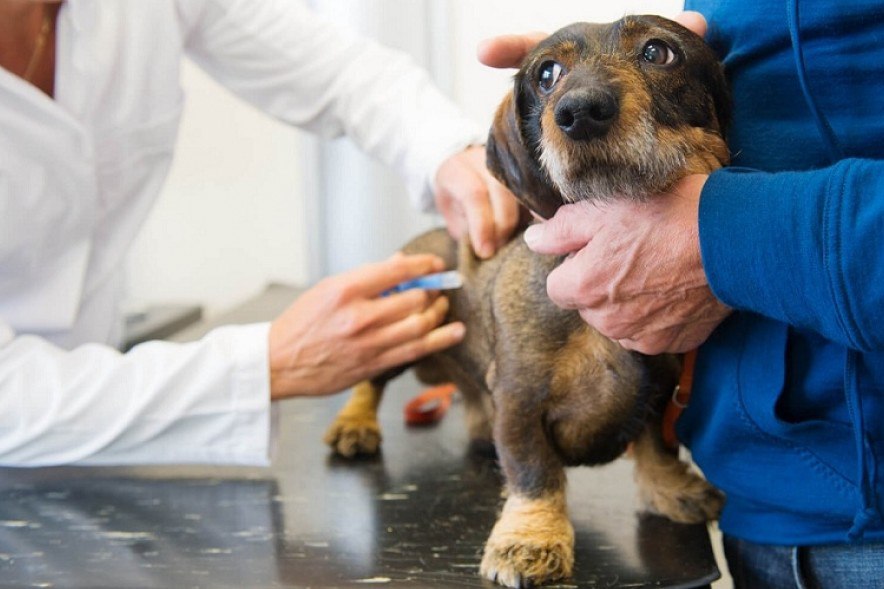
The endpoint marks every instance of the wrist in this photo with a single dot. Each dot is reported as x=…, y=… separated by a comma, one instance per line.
x=280, y=366
x=689, y=191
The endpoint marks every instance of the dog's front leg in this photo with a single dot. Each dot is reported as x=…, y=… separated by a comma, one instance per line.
x=355, y=430
x=533, y=540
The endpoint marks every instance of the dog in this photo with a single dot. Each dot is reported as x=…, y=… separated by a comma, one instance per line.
x=598, y=111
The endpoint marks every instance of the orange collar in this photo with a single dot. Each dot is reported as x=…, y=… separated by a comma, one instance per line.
x=680, y=397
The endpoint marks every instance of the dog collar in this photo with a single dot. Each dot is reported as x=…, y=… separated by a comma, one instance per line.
x=679, y=400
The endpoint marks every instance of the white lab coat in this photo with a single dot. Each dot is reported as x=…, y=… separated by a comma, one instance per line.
x=79, y=174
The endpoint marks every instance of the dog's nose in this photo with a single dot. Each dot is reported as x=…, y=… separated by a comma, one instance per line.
x=586, y=113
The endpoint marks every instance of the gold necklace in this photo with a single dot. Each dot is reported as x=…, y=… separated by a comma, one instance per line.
x=38, y=46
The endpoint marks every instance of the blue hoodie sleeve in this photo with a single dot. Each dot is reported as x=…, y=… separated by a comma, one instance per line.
x=804, y=248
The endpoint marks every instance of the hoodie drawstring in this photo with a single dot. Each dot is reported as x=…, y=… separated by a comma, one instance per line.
x=868, y=512
x=866, y=464
x=825, y=129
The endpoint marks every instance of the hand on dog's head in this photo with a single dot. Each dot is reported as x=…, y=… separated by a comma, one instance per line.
x=601, y=111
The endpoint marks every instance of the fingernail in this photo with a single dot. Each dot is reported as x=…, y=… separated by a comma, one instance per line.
x=532, y=235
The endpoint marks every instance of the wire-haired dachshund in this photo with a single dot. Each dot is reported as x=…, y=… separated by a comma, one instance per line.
x=598, y=111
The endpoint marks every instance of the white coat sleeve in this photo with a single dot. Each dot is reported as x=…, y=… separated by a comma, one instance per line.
x=201, y=402
x=306, y=71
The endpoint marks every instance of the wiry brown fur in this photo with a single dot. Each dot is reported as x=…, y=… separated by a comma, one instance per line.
x=669, y=117
x=562, y=394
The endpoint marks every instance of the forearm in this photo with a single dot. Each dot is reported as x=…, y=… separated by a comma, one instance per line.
x=203, y=402
x=800, y=247
x=306, y=71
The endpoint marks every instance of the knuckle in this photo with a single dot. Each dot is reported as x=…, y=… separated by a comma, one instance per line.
x=372, y=365
x=652, y=345
x=647, y=348
x=369, y=355
x=425, y=322
x=511, y=216
x=401, y=355
x=336, y=291
x=476, y=195
x=421, y=299
x=351, y=321
x=607, y=327
x=415, y=351
x=326, y=286
x=410, y=301
x=586, y=285
x=561, y=225
x=554, y=287
x=411, y=327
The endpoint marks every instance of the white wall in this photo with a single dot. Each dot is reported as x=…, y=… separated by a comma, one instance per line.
x=231, y=216
x=245, y=192
x=360, y=209
x=478, y=88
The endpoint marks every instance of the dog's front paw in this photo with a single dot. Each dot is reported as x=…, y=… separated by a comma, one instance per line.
x=349, y=436
x=690, y=500
x=531, y=543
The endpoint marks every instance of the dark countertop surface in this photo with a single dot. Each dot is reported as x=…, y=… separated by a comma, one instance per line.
x=416, y=516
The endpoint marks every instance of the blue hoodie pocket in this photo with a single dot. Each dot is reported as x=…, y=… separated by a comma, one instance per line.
x=789, y=414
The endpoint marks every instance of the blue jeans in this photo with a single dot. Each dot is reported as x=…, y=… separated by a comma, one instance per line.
x=758, y=566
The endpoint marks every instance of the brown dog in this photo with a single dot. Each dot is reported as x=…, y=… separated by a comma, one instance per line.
x=621, y=110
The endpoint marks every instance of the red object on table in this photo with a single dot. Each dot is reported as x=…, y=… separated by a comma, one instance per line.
x=430, y=406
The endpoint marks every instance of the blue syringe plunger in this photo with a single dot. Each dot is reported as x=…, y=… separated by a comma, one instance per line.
x=439, y=281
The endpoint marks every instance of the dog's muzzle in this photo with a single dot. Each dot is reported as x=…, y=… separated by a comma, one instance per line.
x=586, y=113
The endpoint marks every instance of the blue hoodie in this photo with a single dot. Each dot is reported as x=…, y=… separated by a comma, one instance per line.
x=787, y=415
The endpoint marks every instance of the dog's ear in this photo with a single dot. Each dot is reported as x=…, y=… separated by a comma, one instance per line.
x=721, y=99
x=511, y=162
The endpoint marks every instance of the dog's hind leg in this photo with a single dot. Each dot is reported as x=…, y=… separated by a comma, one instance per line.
x=668, y=486
x=533, y=539
x=478, y=412
x=355, y=430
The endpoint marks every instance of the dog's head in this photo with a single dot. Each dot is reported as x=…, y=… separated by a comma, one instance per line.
x=605, y=110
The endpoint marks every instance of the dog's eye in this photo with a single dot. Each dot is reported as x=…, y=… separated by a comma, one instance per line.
x=657, y=52
x=550, y=72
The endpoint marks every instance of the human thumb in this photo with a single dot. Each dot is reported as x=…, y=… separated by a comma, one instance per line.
x=566, y=232
x=692, y=20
